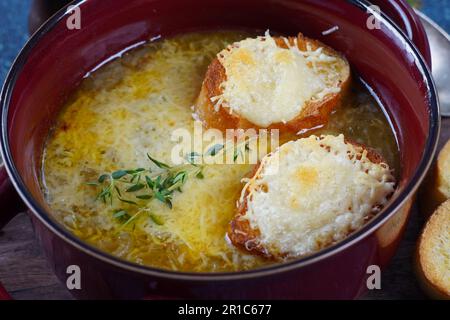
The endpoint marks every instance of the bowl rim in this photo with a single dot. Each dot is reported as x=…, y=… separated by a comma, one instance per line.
x=366, y=230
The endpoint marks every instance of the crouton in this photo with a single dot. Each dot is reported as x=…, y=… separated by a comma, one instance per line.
x=281, y=83
x=433, y=254
x=309, y=194
x=436, y=188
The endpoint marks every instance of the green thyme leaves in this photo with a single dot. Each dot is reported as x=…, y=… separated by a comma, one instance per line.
x=132, y=186
x=215, y=149
x=159, y=164
x=135, y=187
x=121, y=215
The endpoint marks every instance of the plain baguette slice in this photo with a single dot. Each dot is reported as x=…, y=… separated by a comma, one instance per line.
x=433, y=254
x=436, y=188
x=220, y=115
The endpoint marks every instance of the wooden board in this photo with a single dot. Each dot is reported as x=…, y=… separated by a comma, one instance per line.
x=26, y=274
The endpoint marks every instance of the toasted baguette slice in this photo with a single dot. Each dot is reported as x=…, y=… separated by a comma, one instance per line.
x=433, y=254
x=272, y=82
x=309, y=194
x=436, y=188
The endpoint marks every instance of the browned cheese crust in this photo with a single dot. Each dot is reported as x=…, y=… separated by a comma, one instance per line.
x=312, y=115
x=243, y=236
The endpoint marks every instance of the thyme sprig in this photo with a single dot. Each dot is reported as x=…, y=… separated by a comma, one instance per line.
x=134, y=186
x=144, y=184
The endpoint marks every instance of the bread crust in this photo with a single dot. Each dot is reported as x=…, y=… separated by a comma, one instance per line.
x=427, y=265
x=436, y=188
x=244, y=237
x=313, y=114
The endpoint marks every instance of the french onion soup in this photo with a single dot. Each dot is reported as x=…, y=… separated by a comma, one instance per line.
x=109, y=177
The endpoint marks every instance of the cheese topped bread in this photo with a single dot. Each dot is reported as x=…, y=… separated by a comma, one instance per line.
x=309, y=194
x=272, y=82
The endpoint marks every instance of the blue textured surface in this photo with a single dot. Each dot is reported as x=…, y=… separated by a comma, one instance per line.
x=14, y=14
x=13, y=31
x=438, y=10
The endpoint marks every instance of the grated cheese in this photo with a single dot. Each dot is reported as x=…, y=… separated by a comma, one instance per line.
x=129, y=108
x=316, y=191
x=267, y=84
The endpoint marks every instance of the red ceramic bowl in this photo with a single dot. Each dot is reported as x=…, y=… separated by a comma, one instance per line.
x=56, y=59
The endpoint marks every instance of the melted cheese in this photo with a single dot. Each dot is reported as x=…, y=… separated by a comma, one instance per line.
x=313, y=192
x=267, y=84
x=130, y=107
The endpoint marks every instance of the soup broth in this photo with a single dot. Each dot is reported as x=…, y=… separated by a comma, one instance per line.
x=130, y=108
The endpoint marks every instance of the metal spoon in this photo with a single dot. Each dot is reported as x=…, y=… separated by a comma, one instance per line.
x=440, y=56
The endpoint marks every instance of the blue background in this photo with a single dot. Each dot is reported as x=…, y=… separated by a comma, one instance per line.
x=14, y=15
x=13, y=31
